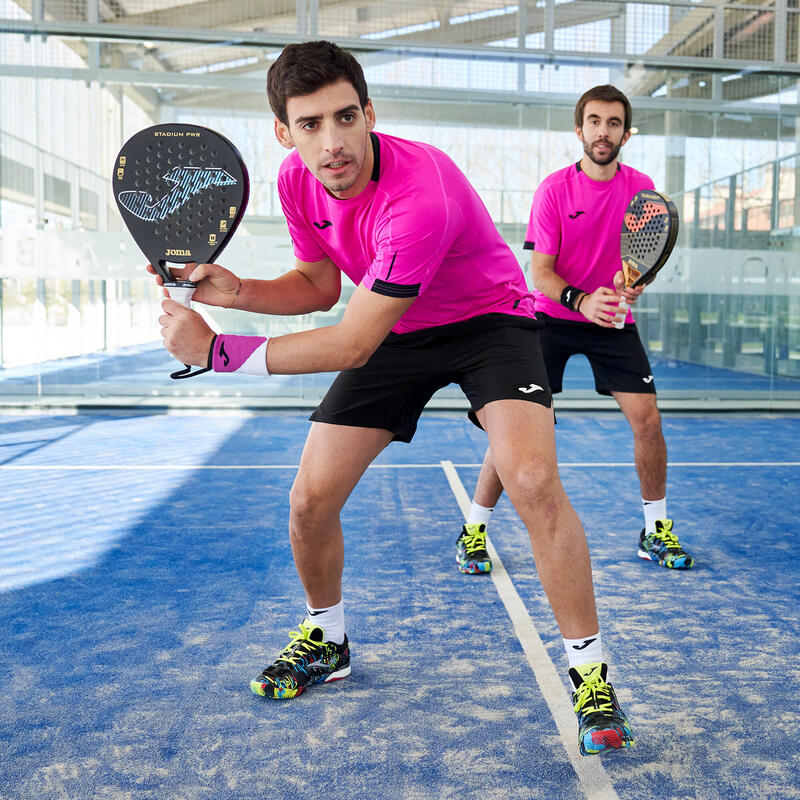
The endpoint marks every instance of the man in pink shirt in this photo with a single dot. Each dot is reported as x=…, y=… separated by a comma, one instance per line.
x=439, y=298
x=574, y=232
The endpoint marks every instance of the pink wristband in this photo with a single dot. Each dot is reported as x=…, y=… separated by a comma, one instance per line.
x=246, y=354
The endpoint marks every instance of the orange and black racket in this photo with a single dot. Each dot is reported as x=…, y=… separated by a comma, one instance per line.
x=182, y=191
x=649, y=231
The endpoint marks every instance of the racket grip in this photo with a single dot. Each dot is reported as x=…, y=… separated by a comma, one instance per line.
x=181, y=291
x=622, y=312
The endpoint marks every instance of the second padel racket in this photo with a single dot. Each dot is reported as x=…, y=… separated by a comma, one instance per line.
x=649, y=231
x=182, y=191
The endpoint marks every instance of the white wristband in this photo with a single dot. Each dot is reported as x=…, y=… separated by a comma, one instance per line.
x=246, y=354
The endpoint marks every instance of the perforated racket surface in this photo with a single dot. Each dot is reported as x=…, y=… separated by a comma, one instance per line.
x=649, y=231
x=182, y=191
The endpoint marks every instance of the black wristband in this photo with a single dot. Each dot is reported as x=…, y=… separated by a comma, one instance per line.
x=569, y=295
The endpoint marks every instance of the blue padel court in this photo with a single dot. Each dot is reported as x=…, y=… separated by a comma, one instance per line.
x=146, y=577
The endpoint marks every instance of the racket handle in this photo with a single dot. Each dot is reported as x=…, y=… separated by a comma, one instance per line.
x=181, y=291
x=622, y=312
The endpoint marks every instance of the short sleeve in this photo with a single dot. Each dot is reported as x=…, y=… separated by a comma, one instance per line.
x=544, y=226
x=305, y=246
x=413, y=237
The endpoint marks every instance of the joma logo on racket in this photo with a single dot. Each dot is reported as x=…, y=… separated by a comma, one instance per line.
x=178, y=252
x=649, y=210
x=189, y=182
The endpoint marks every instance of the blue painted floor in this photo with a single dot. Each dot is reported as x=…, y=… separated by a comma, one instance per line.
x=140, y=593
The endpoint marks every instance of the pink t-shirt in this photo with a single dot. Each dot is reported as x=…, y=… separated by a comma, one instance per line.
x=579, y=220
x=418, y=229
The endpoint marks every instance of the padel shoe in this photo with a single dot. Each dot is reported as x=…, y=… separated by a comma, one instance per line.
x=601, y=723
x=663, y=546
x=471, y=554
x=306, y=660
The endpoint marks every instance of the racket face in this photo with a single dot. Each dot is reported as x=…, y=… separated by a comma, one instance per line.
x=182, y=191
x=649, y=231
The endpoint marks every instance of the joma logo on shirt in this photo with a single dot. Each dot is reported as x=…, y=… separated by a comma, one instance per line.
x=576, y=214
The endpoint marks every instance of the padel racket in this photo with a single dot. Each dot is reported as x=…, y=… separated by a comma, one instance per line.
x=182, y=191
x=649, y=231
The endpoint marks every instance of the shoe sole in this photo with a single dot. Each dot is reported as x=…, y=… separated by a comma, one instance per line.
x=602, y=741
x=474, y=567
x=686, y=562
x=261, y=687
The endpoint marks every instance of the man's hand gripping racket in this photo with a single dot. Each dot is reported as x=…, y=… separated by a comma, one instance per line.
x=649, y=231
x=181, y=191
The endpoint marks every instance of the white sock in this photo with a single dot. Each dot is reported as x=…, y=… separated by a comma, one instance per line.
x=587, y=650
x=331, y=620
x=479, y=514
x=653, y=510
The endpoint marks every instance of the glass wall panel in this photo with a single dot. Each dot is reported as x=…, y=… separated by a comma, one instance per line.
x=78, y=313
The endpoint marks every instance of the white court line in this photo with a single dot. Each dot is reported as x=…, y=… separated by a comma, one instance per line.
x=594, y=780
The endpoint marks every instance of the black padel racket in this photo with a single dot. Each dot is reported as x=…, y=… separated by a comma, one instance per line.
x=649, y=231
x=182, y=191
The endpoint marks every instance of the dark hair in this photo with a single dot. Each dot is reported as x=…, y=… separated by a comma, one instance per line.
x=608, y=94
x=303, y=68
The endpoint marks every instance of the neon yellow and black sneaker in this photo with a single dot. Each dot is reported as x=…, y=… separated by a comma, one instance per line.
x=471, y=554
x=601, y=723
x=306, y=660
x=663, y=546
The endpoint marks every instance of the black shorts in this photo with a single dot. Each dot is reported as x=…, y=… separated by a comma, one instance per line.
x=617, y=356
x=492, y=357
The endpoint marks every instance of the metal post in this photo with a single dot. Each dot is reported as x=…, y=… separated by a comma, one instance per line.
x=695, y=344
x=775, y=216
x=313, y=18
x=770, y=361
x=779, y=28
x=695, y=238
x=522, y=33
x=718, y=48
x=730, y=212
x=549, y=25
x=93, y=48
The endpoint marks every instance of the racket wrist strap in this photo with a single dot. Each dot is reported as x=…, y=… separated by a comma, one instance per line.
x=245, y=354
x=569, y=296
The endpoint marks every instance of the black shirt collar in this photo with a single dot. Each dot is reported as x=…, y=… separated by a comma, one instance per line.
x=579, y=169
x=376, y=157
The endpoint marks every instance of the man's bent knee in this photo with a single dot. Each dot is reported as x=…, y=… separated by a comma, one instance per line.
x=309, y=507
x=535, y=487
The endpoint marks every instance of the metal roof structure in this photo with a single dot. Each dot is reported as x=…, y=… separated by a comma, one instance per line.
x=670, y=55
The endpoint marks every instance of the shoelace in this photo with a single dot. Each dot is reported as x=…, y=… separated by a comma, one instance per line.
x=668, y=539
x=595, y=692
x=473, y=542
x=300, y=646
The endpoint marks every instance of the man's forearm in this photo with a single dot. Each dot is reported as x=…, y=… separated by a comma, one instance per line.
x=545, y=278
x=290, y=294
x=550, y=284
